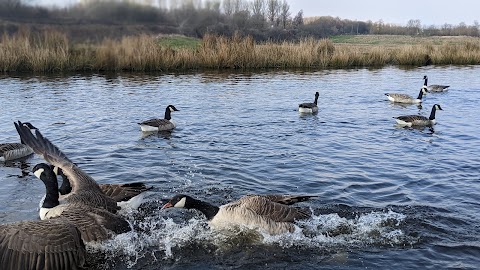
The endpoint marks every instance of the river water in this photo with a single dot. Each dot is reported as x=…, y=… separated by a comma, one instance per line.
x=388, y=197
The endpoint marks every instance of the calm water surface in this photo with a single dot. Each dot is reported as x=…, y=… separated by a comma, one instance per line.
x=388, y=197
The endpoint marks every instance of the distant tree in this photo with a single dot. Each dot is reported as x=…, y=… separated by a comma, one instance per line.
x=273, y=10
x=414, y=27
x=258, y=13
x=284, y=13
x=298, y=20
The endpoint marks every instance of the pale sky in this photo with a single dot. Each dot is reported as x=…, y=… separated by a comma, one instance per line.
x=436, y=12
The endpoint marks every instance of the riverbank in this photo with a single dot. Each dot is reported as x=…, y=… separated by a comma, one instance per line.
x=52, y=51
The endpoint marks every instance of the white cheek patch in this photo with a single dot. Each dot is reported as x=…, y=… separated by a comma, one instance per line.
x=171, y=109
x=39, y=172
x=55, y=170
x=181, y=203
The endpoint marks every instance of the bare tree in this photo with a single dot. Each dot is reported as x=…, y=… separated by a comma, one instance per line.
x=285, y=13
x=273, y=9
x=298, y=20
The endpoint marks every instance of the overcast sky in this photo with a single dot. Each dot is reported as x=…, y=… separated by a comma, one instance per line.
x=437, y=12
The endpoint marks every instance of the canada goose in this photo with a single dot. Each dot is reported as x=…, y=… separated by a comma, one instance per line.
x=160, y=124
x=418, y=120
x=94, y=224
x=309, y=107
x=41, y=244
x=403, y=98
x=84, y=188
x=118, y=192
x=434, y=87
x=269, y=213
x=11, y=151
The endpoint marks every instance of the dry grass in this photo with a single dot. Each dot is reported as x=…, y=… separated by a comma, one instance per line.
x=51, y=52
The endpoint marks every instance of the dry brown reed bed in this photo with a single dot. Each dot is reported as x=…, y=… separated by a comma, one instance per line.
x=52, y=52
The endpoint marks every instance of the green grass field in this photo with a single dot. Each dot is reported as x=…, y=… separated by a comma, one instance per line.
x=179, y=42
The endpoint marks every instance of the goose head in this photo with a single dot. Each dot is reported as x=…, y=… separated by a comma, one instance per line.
x=180, y=201
x=437, y=107
x=30, y=126
x=172, y=108
x=425, y=77
x=317, y=94
x=424, y=90
x=44, y=172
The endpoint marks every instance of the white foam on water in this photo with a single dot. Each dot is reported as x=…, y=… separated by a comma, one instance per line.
x=165, y=235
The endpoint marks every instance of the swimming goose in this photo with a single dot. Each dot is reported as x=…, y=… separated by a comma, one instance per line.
x=403, y=98
x=418, y=120
x=94, y=224
x=160, y=124
x=84, y=188
x=269, y=213
x=118, y=192
x=434, y=87
x=309, y=107
x=41, y=244
x=11, y=151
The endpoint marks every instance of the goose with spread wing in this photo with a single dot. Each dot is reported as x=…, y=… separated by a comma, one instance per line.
x=85, y=189
x=270, y=213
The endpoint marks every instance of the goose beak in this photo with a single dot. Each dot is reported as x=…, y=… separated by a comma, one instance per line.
x=167, y=205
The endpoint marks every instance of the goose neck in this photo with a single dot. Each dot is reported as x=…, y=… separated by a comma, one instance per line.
x=168, y=114
x=432, y=113
x=207, y=209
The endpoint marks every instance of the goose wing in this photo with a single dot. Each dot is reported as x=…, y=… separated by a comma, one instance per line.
x=272, y=210
x=94, y=224
x=288, y=199
x=80, y=181
x=43, y=244
x=437, y=87
x=399, y=96
x=412, y=118
x=307, y=105
x=11, y=151
x=155, y=122
x=123, y=192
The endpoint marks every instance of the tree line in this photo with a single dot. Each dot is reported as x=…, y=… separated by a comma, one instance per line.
x=261, y=19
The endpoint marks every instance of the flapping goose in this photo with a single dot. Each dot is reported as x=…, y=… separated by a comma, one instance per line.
x=118, y=192
x=41, y=244
x=94, y=224
x=271, y=214
x=404, y=98
x=418, y=120
x=84, y=188
x=160, y=124
x=434, y=87
x=309, y=107
x=11, y=151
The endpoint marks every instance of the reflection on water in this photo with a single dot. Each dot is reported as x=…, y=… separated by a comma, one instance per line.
x=389, y=197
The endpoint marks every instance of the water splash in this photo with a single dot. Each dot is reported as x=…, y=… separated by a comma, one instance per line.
x=170, y=237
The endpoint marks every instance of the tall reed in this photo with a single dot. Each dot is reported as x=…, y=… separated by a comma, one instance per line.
x=51, y=51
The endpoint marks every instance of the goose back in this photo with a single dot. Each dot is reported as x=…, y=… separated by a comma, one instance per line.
x=11, y=151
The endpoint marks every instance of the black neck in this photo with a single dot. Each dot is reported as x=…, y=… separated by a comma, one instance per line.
x=51, y=196
x=207, y=209
x=65, y=188
x=316, y=99
x=420, y=95
x=432, y=113
x=167, y=113
x=425, y=83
